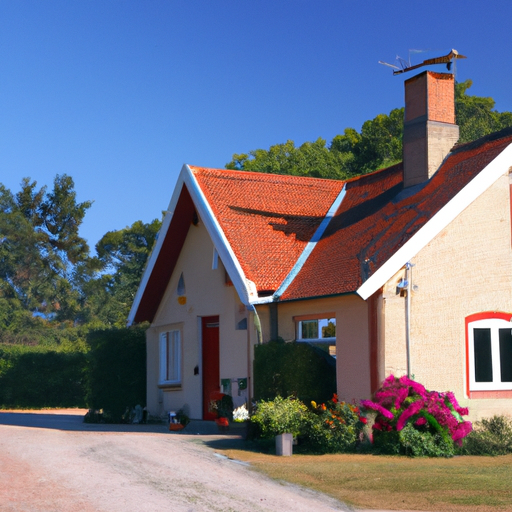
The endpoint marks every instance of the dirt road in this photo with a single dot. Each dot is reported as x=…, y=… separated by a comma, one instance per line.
x=51, y=461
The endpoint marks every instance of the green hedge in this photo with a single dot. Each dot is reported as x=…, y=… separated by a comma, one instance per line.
x=293, y=369
x=108, y=373
x=116, y=371
x=39, y=377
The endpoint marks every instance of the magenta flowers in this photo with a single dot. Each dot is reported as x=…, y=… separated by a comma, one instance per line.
x=402, y=401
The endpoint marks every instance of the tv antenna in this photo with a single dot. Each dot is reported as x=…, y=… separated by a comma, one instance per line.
x=404, y=66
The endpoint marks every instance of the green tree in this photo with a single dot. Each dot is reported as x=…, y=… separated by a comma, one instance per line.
x=40, y=249
x=121, y=258
x=380, y=144
x=476, y=116
x=312, y=159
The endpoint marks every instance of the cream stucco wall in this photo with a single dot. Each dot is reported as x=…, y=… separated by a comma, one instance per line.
x=207, y=294
x=352, y=346
x=466, y=269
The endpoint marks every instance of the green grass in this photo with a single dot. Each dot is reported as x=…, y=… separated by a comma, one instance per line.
x=468, y=483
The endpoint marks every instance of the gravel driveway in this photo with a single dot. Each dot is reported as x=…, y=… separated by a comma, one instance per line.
x=51, y=461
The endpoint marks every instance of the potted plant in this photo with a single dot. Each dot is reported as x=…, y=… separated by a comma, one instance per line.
x=241, y=420
x=222, y=405
x=178, y=420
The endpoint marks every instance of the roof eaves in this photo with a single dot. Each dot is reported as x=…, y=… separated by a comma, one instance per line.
x=496, y=168
x=311, y=244
x=166, y=222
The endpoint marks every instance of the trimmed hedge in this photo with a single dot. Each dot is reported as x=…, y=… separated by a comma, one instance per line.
x=39, y=377
x=116, y=371
x=293, y=369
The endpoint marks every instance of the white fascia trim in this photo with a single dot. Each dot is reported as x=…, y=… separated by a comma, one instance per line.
x=166, y=222
x=479, y=184
x=311, y=244
x=245, y=288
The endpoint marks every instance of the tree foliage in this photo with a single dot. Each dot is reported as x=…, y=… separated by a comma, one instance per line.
x=48, y=279
x=40, y=248
x=121, y=257
x=476, y=116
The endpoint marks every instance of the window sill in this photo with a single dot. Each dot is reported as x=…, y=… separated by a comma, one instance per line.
x=502, y=393
x=330, y=341
x=170, y=387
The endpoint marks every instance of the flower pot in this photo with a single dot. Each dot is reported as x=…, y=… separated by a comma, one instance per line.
x=222, y=424
x=284, y=444
x=176, y=426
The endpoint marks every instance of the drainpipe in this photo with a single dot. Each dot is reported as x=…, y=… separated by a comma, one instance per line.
x=408, y=288
x=257, y=325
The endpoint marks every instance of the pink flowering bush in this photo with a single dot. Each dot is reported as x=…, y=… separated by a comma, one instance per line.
x=415, y=421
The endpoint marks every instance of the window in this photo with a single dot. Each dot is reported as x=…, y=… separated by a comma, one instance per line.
x=319, y=328
x=170, y=358
x=489, y=352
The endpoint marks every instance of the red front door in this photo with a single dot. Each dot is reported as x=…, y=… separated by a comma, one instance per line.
x=211, y=373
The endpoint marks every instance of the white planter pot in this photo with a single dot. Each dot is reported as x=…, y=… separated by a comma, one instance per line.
x=284, y=444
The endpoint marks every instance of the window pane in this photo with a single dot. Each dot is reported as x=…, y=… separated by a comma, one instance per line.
x=170, y=350
x=328, y=327
x=483, y=357
x=309, y=329
x=506, y=354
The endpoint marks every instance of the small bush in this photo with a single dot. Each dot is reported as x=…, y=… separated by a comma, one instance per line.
x=490, y=436
x=280, y=416
x=422, y=443
x=333, y=427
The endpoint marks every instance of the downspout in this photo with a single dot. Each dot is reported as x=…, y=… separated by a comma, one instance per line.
x=408, y=287
x=257, y=325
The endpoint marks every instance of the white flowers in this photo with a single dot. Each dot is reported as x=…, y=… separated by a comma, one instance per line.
x=241, y=414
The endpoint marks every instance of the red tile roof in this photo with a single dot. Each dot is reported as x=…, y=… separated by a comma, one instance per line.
x=267, y=219
x=377, y=216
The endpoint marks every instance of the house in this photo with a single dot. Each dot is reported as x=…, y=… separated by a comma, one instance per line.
x=407, y=270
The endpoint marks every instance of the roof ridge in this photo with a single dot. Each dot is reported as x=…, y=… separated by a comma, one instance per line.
x=264, y=176
x=491, y=137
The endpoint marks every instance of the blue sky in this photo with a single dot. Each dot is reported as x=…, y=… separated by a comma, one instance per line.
x=120, y=94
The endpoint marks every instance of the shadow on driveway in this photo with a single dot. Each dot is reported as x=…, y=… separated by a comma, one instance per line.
x=73, y=420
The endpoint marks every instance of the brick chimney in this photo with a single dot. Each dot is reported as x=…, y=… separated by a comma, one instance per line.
x=429, y=125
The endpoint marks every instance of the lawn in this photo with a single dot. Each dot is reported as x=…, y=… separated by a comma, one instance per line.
x=459, y=484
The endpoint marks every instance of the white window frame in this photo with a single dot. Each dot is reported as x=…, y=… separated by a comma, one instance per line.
x=320, y=318
x=170, y=358
x=494, y=322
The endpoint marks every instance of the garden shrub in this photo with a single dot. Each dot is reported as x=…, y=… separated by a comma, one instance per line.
x=279, y=416
x=116, y=372
x=293, y=369
x=333, y=427
x=490, y=436
x=434, y=419
x=418, y=443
